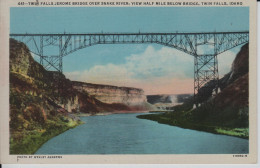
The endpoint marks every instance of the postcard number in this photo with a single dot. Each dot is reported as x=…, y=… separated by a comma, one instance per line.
x=20, y=3
x=239, y=155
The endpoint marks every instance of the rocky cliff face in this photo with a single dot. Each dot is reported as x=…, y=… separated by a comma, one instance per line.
x=36, y=114
x=235, y=85
x=112, y=94
x=230, y=106
x=132, y=97
x=240, y=67
x=29, y=77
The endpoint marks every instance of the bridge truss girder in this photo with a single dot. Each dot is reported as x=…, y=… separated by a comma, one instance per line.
x=205, y=64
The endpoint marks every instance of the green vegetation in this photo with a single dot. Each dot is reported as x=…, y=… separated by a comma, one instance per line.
x=239, y=132
x=28, y=142
x=230, y=120
x=34, y=116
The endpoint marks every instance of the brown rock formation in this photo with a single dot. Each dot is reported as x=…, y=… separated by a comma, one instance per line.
x=132, y=97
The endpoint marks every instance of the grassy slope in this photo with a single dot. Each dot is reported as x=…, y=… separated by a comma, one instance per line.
x=230, y=120
x=25, y=141
x=34, y=118
x=181, y=119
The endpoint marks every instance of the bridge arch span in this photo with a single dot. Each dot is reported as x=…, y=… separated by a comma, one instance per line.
x=205, y=65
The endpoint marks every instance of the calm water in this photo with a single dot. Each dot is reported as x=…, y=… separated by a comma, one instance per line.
x=126, y=134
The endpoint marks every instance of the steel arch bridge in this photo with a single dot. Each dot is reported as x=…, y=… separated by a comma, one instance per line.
x=205, y=64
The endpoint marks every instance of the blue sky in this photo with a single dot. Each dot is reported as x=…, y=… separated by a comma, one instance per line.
x=146, y=66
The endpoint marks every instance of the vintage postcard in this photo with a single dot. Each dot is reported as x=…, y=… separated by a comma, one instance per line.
x=124, y=81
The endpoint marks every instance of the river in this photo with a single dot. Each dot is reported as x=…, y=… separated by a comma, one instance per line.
x=126, y=134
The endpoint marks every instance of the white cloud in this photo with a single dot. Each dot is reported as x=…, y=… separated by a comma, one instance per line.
x=163, y=62
x=150, y=63
x=166, y=70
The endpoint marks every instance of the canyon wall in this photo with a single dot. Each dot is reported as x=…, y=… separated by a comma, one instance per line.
x=132, y=97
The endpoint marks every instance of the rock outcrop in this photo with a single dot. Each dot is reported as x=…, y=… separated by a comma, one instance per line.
x=35, y=109
x=240, y=67
x=28, y=77
x=133, y=98
x=230, y=107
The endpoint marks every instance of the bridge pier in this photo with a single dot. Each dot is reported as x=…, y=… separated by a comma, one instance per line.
x=205, y=77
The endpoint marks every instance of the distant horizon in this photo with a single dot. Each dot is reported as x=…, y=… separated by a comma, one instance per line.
x=128, y=87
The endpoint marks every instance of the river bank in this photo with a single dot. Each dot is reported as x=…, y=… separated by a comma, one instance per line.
x=28, y=142
x=181, y=120
x=109, y=113
x=126, y=134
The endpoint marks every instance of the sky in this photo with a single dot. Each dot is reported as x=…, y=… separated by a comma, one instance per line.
x=155, y=68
